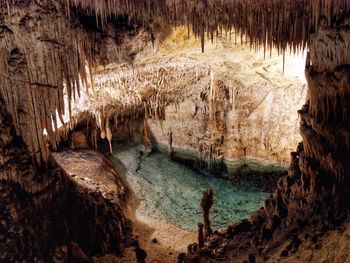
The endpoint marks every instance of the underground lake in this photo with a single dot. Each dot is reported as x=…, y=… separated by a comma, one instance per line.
x=167, y=190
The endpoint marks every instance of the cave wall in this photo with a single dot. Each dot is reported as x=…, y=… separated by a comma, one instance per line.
x=46, y=57
x=226, y=118
x=15, y=162
x=244, y=108
x=326, y=115
x=45, y=215
x=314, y=196
x=315, y=192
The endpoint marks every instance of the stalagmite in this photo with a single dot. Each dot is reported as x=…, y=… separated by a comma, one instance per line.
x=206, y=204
x=200, y=235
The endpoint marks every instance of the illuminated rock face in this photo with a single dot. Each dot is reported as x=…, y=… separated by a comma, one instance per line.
x=229, y=102
x=233, y=120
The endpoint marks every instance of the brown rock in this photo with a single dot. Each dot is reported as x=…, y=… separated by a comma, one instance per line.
x=78, y=141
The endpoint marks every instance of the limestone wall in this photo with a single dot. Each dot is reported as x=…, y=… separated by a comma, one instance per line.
x=234, y=120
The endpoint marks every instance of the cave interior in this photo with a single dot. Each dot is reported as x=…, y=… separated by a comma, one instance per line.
x=174, y=131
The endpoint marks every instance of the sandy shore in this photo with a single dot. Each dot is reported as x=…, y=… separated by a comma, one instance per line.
x=170, y=239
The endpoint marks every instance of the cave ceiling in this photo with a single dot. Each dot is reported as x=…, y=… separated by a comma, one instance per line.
x=50, y=49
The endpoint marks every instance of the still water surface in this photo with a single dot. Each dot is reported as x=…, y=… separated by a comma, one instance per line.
x=170, y=191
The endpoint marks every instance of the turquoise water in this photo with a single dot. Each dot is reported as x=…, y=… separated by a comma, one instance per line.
x=170, y=191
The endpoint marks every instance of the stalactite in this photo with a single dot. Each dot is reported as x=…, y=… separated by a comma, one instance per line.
x=211, y=98
x=246, y=16
x=109, y=136
x=145, y=134
x=65, y=48
x=103, y=124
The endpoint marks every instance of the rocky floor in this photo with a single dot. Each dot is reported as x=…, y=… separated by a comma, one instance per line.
x=162, y=241
x=319, y=245
x=93, y=171
x=66, y=222
x=314, y=244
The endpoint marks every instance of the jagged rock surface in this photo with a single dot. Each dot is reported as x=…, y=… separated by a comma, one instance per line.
x=232, y=120
x=317, y=182
x=56, y=50
x=45, y=215
x=315, y=192
x=45, y=57
x=214, y=109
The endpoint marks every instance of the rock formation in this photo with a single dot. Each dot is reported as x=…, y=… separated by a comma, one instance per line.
x=206, y=204
x=252, y=116
x=51, y=61
x=200, y=235
x=242, y=116
x=314, y=192
x=45, y=215
x=48, y=50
